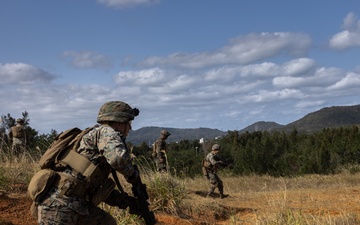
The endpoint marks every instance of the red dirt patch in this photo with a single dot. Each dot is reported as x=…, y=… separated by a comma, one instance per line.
x=15, y=210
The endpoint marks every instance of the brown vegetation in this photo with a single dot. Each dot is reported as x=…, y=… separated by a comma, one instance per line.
x=264, y=200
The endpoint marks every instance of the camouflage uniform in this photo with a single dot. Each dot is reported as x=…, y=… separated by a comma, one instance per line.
x=214, y=179
x=17, y=135
x=160, y=151
x=101, y=142
x=3, y=137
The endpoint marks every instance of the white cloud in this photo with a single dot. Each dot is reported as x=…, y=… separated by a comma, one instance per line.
x=321, y=77
x=351, y=23
x=240, y=50
x=298, y=66
x=147, y=77
x=87, y=59
x=308, y=103
x=349, y=81
x=127, y=3
x=183, y=82
x=269, y=96
x=348, y=38
x=257, y=70
x=11, y=73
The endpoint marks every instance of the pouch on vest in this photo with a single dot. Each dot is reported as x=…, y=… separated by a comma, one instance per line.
x=154, y=153
x=103, y=191
x=205, y=165
x=40, y=184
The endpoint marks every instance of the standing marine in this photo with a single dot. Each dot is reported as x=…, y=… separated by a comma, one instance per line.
x=17, y=135
x=75, y=194
x=211, y=164
x=159, y=152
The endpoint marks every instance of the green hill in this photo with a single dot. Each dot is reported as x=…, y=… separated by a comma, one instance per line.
x=328, y=117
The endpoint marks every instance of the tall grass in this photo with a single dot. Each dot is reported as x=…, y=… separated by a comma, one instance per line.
x=304, y=200
x=16, y=171
x=264, y=200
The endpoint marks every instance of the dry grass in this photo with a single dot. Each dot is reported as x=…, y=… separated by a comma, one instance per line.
x=260, y=200
x=310, y=199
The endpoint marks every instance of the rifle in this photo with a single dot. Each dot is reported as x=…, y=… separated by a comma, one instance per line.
x=225, y=163
x=141, y=197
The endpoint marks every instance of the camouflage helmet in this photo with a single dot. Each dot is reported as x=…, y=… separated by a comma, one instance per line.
x=165, y=133
x=116, y=111
x=19, y=120
x=215, y=147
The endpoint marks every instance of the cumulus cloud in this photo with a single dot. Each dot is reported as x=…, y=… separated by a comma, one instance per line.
x=11, y=73
x=321, y=77
x=241, y=50
x=87, y=59
x=269, y=96
x=349, y=81
x=146, y=77
x=127, y=3
x=350, y=36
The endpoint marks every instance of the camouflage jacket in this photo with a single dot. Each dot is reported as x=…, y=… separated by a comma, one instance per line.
x=159, y=145
x=111, y=144
x=17, y=132
x=213, y=161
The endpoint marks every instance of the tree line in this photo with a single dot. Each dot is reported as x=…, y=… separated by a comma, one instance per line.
x=275, y=153
x=278, y=153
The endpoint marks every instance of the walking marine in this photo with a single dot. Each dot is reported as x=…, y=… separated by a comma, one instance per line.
x=75, y=174
x=17, y=136
x=159, y=152
x=210, y=167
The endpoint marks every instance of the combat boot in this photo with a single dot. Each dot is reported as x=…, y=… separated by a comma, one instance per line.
x=223, y=196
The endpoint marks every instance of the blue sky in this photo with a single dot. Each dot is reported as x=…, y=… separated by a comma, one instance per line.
x=184, y=64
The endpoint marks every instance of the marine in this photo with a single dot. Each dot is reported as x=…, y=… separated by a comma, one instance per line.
x=68, y=201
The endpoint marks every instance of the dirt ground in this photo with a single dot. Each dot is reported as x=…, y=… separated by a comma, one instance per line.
x=239, y=208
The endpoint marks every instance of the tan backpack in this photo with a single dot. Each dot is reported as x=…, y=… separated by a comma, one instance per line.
x=65, y=141
x=43, y=179
x=17, y=131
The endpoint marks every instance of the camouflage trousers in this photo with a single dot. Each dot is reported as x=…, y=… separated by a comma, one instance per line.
x=18, y=147
x=56, y=213
x=215, y=182
x=161, y=163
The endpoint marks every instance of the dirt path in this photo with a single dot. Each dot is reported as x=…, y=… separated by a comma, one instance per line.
x=242, y=207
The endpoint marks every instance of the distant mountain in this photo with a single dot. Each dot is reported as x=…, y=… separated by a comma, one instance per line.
x=150, y=134
x=328, y=117
x=262, y=126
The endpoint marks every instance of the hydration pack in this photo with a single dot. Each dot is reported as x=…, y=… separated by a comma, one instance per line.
x=66, y=141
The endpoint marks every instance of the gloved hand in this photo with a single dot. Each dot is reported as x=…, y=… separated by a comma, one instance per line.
x=134, y=178
x=133, y=208
x=118, y=199
x=122, y=200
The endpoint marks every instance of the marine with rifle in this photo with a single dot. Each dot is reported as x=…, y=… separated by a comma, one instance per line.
x=160, y=152
x=211, y=164
x=82, y=181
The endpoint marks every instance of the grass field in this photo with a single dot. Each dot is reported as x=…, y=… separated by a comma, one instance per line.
x=263, y=200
